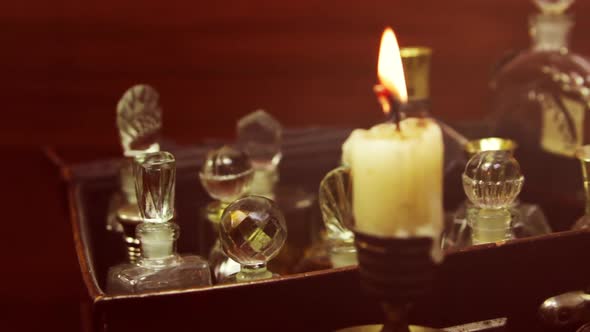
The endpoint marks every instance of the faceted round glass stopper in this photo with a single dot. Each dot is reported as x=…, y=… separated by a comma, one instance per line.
x=252, y=231
x=492, y=179
x=227, y=174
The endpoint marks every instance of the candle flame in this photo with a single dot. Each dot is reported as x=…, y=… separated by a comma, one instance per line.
x=389, y=67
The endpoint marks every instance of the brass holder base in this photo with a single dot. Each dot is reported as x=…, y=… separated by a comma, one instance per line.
x=395, y=271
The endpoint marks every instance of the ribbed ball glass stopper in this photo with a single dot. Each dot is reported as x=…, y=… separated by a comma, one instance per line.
x=492, y=179
x=252, y=231
x=226, y=174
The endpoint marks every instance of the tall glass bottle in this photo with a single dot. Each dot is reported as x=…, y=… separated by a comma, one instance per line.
x=159, y=267
x=541, y=97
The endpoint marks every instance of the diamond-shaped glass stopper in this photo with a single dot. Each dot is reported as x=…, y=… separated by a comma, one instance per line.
x=139, y=119
x=155, y=180
x=260, y=136
x=252, y=231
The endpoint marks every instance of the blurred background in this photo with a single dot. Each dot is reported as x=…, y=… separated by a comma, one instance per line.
x=66, y=63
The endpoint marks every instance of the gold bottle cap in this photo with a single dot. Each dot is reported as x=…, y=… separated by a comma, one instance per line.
x=416, y=62
x=489, y=144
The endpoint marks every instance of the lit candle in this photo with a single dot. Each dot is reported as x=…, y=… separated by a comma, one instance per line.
x=397, y=172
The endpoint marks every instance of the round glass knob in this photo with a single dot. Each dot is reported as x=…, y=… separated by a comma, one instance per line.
x=226, y=174
x=252, y=231
x=492, y=179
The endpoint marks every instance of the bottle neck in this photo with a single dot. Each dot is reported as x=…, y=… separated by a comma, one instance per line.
x=158, y=243
x=550, y=32
x=253, y=272
x=489, y=225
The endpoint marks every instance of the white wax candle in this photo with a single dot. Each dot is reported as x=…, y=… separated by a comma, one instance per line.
x=397, y=178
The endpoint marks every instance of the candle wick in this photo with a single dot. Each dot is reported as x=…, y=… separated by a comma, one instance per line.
x=390, y=105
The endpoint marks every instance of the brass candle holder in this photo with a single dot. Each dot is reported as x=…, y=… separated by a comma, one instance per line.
x=396, y=272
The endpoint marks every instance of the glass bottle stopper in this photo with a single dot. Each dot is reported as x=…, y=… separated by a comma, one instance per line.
x=492, y=181
x=139, y=120
x=226, y=175
x=260, y=136
x=335, y=199
x=158, y=242
x=155, y=181
x=252, y=231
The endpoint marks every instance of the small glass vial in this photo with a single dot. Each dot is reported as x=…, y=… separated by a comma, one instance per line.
x=260, y=136
x=492, y=180
x=526, y=219
x=160, y=267
x=252, y=231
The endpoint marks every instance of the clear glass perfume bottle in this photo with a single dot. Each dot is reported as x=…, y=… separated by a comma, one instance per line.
x=526, y=219
x=260, y=136
x=226, y=175
x=541, y=97
x=139, y=123
x=252, y=232
x=492, y=181
x=160, y=267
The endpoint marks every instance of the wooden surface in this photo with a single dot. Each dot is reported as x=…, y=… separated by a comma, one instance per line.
x=65, y=64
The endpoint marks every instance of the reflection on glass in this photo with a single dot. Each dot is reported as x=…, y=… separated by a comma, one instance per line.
x=252, y=231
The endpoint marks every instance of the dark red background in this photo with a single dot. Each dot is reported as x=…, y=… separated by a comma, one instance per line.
x=64, y=64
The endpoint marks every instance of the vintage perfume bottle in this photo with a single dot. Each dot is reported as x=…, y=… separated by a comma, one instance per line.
x=541, y=98
x=160, y=267
x=139, y=120
x=252, y=231
x=526, y=219
x=226, y=175
x=492, y=181
x=260, y=136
